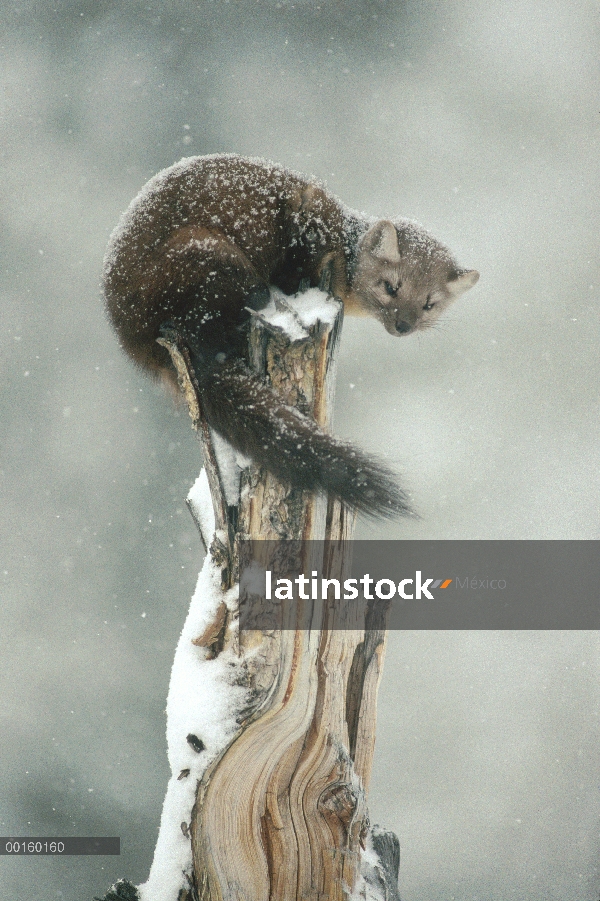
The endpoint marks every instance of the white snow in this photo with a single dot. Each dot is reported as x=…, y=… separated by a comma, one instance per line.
x=314, y=305
x=366, y=887
x=203, y=702
x=201, y=506
x=295, y=314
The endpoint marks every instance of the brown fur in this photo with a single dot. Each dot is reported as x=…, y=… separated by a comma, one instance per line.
x=205, y=240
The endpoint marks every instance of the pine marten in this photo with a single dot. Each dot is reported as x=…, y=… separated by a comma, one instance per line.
x=200, y=246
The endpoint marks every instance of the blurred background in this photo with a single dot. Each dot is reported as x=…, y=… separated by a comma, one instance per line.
x=481, y=120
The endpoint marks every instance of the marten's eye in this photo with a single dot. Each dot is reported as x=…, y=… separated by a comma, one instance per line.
x=390, y=289
x=428, y=304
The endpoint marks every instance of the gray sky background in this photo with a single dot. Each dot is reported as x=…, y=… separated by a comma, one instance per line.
x=481, y=120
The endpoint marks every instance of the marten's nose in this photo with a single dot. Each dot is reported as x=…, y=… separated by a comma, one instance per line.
x=403, y=327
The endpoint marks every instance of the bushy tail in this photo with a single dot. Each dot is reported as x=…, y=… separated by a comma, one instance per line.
x=249, y=415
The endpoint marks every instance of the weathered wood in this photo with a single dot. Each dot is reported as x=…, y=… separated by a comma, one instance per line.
x=281, y=814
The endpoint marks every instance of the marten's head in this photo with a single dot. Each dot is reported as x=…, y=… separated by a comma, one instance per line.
x=405, y=277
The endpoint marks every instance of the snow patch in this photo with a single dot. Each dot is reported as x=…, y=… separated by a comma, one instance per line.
x=204, y=701
x=370, y=884
x=294, y=315
x=200, y=504
x=314, y=306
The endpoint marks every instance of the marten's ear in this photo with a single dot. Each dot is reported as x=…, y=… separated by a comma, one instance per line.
x=460, y=280
x=382, y=242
